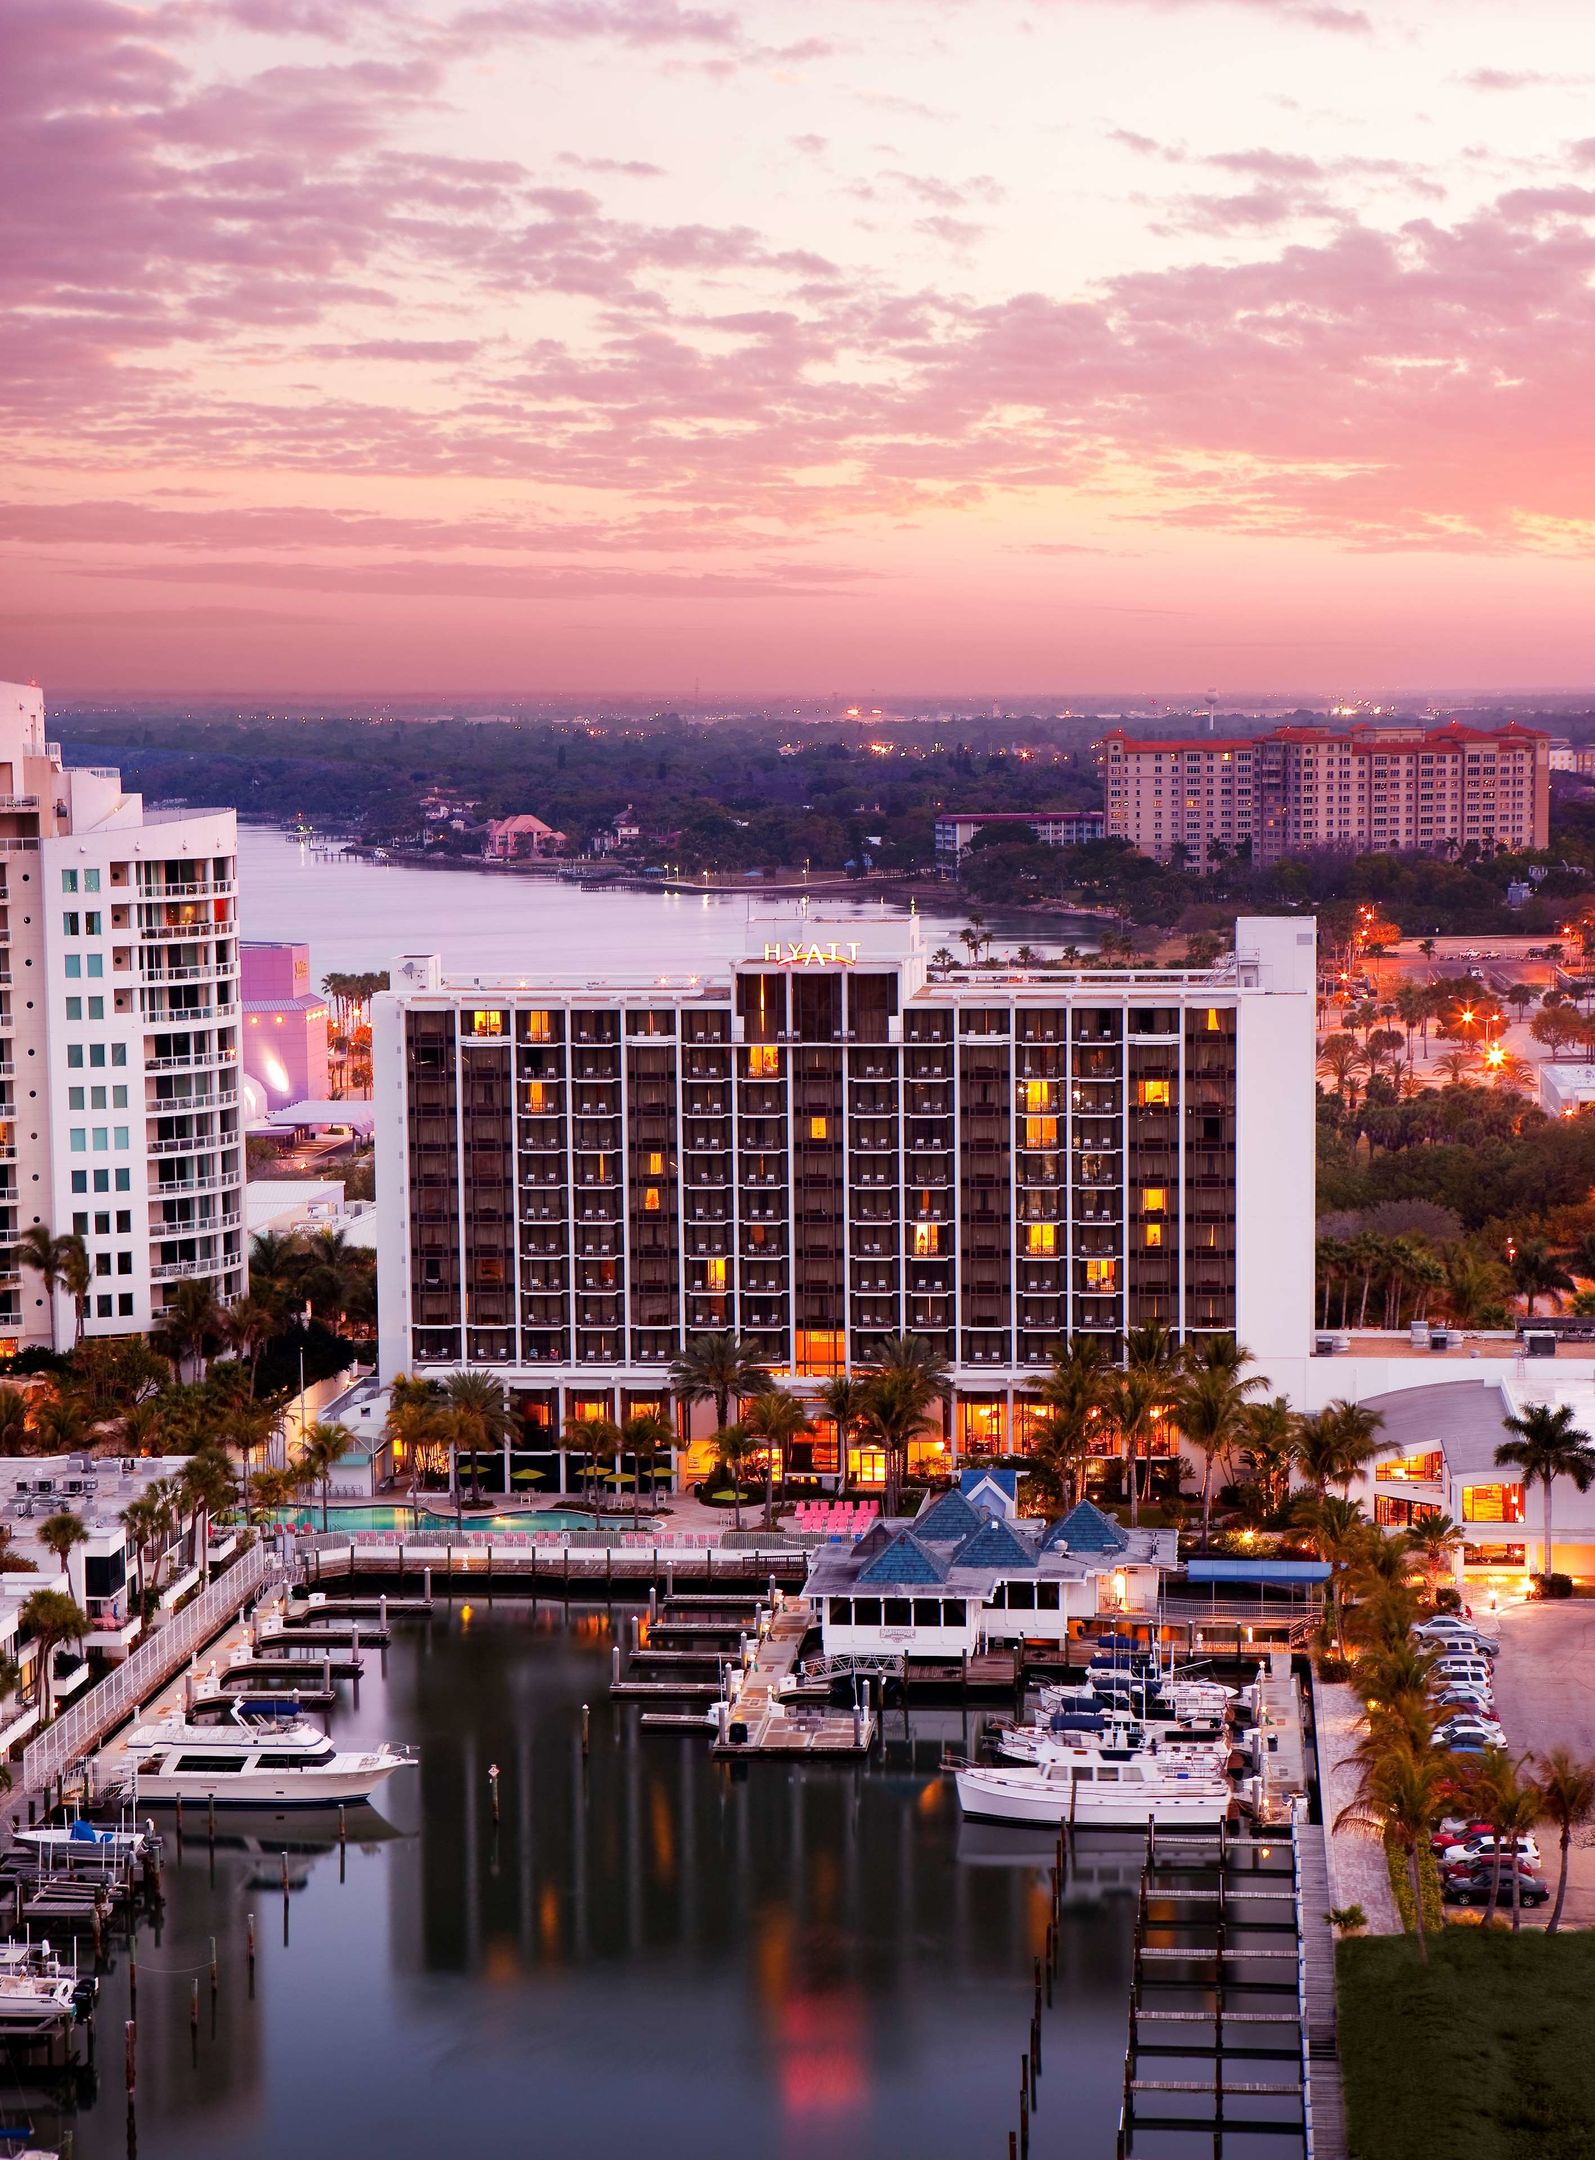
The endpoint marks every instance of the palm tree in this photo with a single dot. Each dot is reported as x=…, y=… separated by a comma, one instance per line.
x=1138, y=1400
x=247, y=1328
x=191, y=1321
x=716, y=1368
x=775, y=1419
x=1341, y=1057
x=1400, y=1796
x=1210, y=1406
x=59, y=1426
x=13, y=1420
x=208, y=1489
x=50, y=1617
x=61, y=1263
x=844, y=1401
x=1546, y=1445
x=1075, y=1393
x=595, y=1440
x=1338, y=1531
x=645, y=1436
x=1567, y=1798
x=1268, y=1447
x=60, y=1532
x=482, y=1415
x=324, y=1447
x=1537, y=1271
x=737, y=1449
x=907, y=1375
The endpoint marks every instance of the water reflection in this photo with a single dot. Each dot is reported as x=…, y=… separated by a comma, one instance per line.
x=645, y=1948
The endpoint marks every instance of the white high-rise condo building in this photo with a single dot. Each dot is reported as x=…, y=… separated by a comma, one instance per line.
x=824, y=1144
x=118, y=1037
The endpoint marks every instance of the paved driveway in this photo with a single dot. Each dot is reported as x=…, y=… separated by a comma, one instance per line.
x=1545, y=1697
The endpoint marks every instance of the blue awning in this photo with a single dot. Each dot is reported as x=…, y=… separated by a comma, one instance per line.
x=1257, y=1571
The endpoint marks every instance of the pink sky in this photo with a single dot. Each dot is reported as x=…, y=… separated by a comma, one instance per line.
x=915, y=345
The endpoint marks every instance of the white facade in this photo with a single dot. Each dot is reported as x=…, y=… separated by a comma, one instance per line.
x=118, y=1036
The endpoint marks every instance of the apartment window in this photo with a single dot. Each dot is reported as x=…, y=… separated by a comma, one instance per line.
x=69, y=881
x=102, y=1138
x=538, y=1029
x=1042, y=1238
x=1492, y=1503
x=96, y=1053
x=818, y=1128
x=124, y=1305
x=74, y=1099
x=80, y=1181
x=124, y=1263
x=119, y=1097
x=927, y=1240
x=650, y=1199
x=102, y=1307
x=91, y=881
x=1101, y=1274
x=102, y=1263
x=1154, y=1199
x=96, y=963
x=80, y=1224
x=1036, y=1095
x=78, y=1140
x=536, y=1096
x=124, y=1222
x=819, y=1351
x=764, y=1061
x=74, y=1057
x=91, y=924
x=1153, y=1094
x=124, y=1180
x=714, y=1274
x=69, y=923
x=486, y=1026
x=1152, y=1235
x=96, y=1008
x=74, y=966
x=656, y=1165
x=119, y=1138
x=1041, y=1132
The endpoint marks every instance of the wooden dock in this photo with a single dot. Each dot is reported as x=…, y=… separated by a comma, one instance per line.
x=767, y=1720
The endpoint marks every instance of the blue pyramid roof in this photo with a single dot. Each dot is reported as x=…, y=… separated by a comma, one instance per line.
x=1085, y=1529
x=947, y=1520
x=905, y=1560
x=1004, y=1484
x=994, y=1545
x=875, y=1539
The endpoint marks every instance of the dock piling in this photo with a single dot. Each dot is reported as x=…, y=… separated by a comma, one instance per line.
x=492, y=1780
x=130, y=2055
x=587, y=1720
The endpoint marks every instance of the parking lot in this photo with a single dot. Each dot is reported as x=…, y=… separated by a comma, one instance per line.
x=1545, y=1698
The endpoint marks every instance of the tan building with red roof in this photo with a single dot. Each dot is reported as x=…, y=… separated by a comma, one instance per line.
x=1296, y=789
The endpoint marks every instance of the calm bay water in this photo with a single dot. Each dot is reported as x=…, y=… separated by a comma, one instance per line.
x=651, y=1954
x=358, y=915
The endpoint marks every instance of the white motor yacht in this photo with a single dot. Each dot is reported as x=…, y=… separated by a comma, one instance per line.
x=240, y=1756
x=1100, y=1794
x=1114, y=1735
x=38, y=1994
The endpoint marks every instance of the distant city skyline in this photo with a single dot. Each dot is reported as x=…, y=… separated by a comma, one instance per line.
x=595, y=346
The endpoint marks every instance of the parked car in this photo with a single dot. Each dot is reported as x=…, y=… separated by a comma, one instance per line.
x=1471, y=1671
x=1481, y=1846
x=1472, y=1886
x=1447, y=1628
x=1479, y=1706
x=1476, y=1731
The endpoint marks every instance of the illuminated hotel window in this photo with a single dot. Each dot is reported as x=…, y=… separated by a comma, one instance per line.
x=714, y=1274
x=1037, y=1095
x=1154, y=1233
x=1212, y=1020
x=764, y=1061
x=1153, y=1094
x=1041, y=1132
x=817, y=1128
x=819, y=1351
x=487, y=1024
x=538, y=1028
x=536, y=1096
x=656, y=1165
x=1154, y=1199
x=1043, y=1237
x=927, y=1240
x=650, y=1199
x=1492, y=1503
x=1101, y=1274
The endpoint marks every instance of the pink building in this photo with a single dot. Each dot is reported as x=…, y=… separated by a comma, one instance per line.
x=520, y=836
x=285, y=1024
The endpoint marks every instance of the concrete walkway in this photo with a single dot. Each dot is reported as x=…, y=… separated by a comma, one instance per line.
x=1357, y=1871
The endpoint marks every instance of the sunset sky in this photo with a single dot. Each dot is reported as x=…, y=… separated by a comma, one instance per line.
x=972, y=346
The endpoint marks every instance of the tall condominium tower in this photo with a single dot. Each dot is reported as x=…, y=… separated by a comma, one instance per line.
x=825, y=1145
x=118, y=1037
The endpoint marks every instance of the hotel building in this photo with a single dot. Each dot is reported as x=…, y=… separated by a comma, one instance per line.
x=820, y=1147
x=955, y=829
x=1428, y=790
x=118, y=1037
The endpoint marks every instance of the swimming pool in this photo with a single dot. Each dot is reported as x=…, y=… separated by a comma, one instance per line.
x=403, y=1518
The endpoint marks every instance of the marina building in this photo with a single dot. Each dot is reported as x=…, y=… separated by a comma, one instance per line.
x=118, y=1037
x=818, y=1147
x=1429, y=790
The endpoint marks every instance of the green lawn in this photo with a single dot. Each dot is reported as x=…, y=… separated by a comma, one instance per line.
x=1487, y=2055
